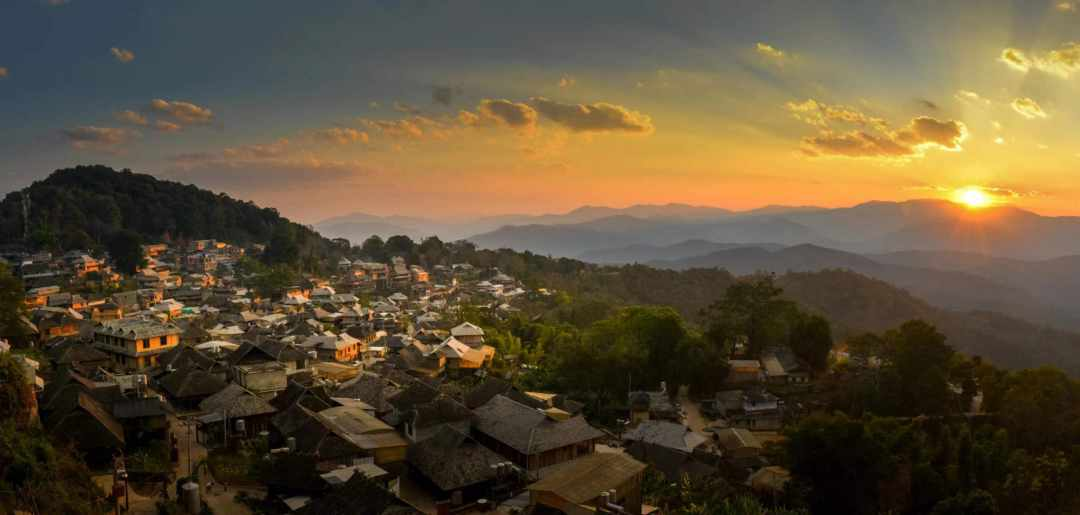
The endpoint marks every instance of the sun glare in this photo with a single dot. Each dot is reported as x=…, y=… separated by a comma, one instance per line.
x=973, y=197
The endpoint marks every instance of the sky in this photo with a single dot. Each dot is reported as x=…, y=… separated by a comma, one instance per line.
x=458, y=108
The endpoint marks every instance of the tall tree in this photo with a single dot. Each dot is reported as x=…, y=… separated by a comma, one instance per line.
x=125, y=248
x=811, y=339
x=750, y=310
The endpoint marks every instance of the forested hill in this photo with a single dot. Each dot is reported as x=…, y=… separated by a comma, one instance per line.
x=854, y=303
x=81, y=207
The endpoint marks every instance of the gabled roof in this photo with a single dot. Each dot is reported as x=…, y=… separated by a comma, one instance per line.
x=467, y=329
x=238, y=401
x=191, y=382
x=452, y=460
x=452, y=348
x=582, y=480
x=666, y=434
x=528, y=430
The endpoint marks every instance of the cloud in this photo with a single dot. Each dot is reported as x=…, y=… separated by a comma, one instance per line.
x=964, y=95
x=131, y=117
x=1065, y=7
x=445, y=94
x=164, y=126
x=1062, y=62
x=597, y=117
x=823, y=115
x=3, y=72
x=373, y=104
x=999, y=140
x=122, y=55
x=342, y=135
x=412, y=128
x=920, y=134
x=468, y=118
x=1028, y=108
x=56, y=3
x=771, y=52
x=184, y=112
x=927, y=104
x=512, y=114
x=106, y=139
x=566, y=82
x=293, y=174
x=402, y=107
x=246, y=153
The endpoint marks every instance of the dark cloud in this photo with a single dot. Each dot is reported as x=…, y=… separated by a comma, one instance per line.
x=106, y=139
x=445, y=94
x=927, y=104
x=402, y=107
x=597, y=117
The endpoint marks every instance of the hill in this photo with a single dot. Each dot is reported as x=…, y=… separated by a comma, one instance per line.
x=644, y=253
x=82, y=207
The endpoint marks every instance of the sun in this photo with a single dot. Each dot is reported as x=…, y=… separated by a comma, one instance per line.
x=973, y=197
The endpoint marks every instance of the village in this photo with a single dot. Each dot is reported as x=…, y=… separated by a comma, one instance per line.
x=185, y=386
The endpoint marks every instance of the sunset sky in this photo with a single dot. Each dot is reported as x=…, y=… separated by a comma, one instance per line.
x=459, y=108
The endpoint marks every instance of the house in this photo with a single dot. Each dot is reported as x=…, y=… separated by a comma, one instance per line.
x=469, y=334
x=371, y=389
x=598, y=483
x=783, y=367
x=744, y=371
x=190, y=385
x=453, y=466
x=135, y=343
x=427, y=419
x=55, y=322
x=650, y=405
x=266, y=378
x=75, y=416
x=738, y=443
x=665, y=434
x=460, y=356
x=761, y=411
x=269, y=350
x=529, y=437
x=78, y=356
x=234, y=403
x=374, y=436
x=336, y=347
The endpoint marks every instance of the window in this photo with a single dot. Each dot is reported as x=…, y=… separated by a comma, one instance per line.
x=145, y=344
x=163, y=340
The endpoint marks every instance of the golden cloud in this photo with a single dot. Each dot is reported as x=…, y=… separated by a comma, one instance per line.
x=107, y=139
x=771, y=52
x=597, y=117
x=131, y=117
x=184, y=112
x=342, y=135
x=920, y=134
x=971, y=97
x=1028, y=108
x=122, y=55
x=1065, y=7
x=1061, y=62
x=566, y=82
x=512, y=114
x=3, y=72
x=164, y=126
x=822, y=115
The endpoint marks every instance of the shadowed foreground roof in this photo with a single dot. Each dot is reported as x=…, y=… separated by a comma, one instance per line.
x=527, y=430
x=583, y=479
x=452, y=460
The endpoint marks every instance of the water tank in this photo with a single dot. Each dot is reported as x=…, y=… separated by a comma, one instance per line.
x=189, y=497
x=290, y=442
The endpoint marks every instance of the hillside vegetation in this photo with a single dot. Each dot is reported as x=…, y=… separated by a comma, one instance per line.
x=85, y=206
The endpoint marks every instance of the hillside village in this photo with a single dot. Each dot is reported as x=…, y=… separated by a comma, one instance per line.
x=373, y=372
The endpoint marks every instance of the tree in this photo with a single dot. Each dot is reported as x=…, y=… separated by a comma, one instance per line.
x=374, y=249
x=811, y=339
x=125, y=248
x=283, y=248
x=1048, y=396
x=401, y=246
x=916, y=371
x=750, y=309
x=12, y=306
